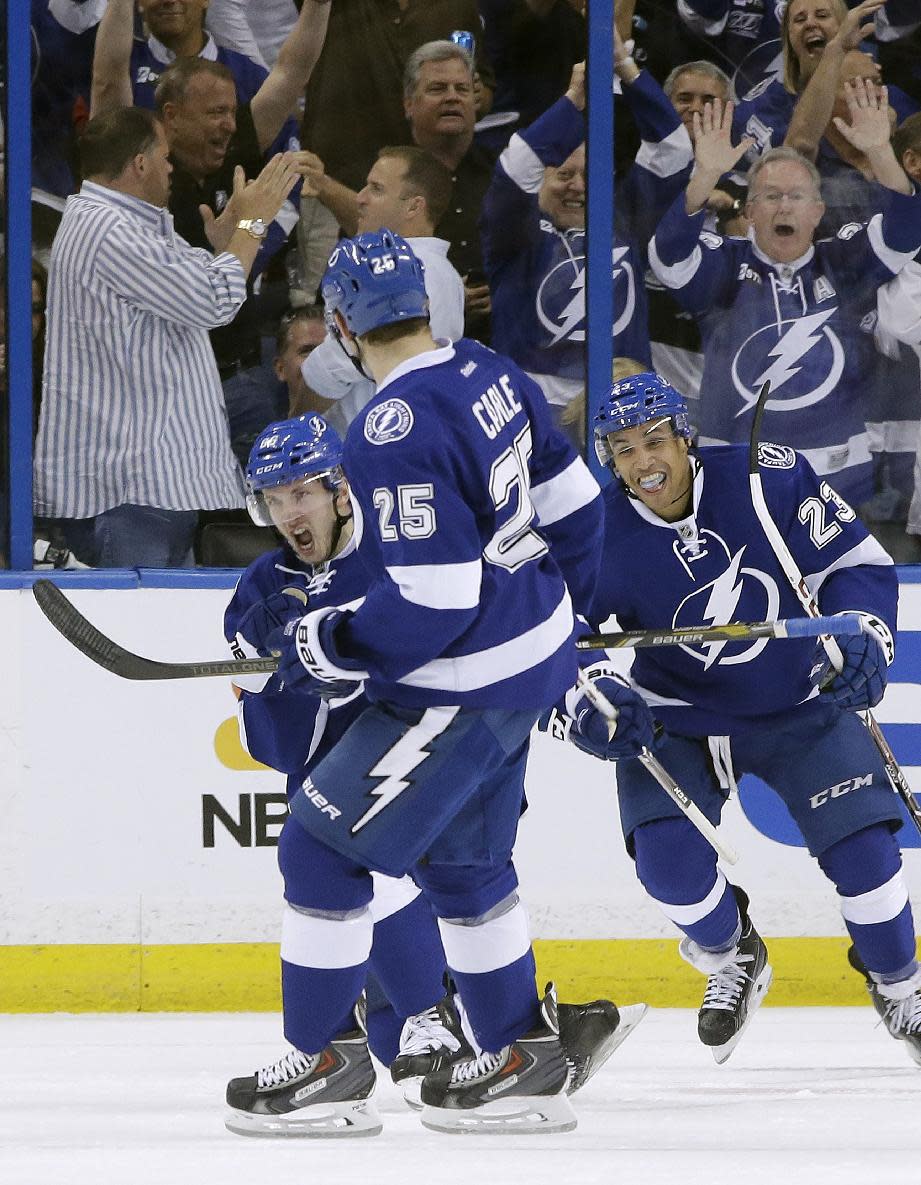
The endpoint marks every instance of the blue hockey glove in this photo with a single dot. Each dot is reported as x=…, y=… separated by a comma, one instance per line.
x=267, y=617
x=255, y=628
x=861, y=682
x=588, y=727
x=309, y=660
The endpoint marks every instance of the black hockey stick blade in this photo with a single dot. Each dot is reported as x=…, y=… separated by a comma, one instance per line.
x=81, y=633
x=754, y=439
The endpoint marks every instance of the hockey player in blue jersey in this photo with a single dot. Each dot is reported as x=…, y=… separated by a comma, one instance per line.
x=469, y=509
x=297, y=485
x=682, y=546
x=779, y=306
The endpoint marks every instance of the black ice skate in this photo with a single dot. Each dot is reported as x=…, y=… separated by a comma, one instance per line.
x=589, y=1034
x=325, y=1094
x=522, y=1088
x=429, y=1041
x=899, y=1005
x=737, y=981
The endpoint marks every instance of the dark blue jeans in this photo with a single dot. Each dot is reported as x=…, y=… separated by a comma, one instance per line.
x=131, y=536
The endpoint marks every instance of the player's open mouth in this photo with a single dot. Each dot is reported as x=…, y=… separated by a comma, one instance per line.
x=653, y=483
x=784, y=229
x=303, y=539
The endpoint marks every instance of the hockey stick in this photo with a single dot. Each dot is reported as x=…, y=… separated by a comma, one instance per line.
x=69, y=621
x=736, y=631
x=807, y=600
x=652, y=764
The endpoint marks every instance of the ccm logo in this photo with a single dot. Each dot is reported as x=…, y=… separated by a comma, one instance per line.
x=320, y=801
x=840, y=789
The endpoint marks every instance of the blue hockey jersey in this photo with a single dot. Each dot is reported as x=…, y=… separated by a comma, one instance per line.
x=717, y=566
x=472, y=509
x=283, y=729
x=744, y=33
x=797, y=324
x=537, y=271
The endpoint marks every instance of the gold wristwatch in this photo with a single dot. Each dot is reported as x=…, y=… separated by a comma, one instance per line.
x=253, y=226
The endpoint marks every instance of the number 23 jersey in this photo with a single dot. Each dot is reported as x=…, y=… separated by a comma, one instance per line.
x=716, y=566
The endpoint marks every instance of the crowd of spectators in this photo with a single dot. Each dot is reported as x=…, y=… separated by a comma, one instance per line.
x=766, y=227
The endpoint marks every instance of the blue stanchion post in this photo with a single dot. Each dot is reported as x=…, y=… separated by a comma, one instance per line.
x=600, y=211
x=18, y=125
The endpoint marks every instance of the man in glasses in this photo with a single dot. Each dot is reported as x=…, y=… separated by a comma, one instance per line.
x=780, y=306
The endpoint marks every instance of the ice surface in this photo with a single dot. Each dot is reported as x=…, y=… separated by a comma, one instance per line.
x=811, y=1096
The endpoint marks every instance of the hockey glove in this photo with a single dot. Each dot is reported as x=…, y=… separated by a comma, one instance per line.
x=255, y=627
x=309, y=659
x=862, y=680
x=589, y=728
x=268, y=616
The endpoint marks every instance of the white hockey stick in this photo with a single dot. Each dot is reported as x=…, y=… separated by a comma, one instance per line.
x=652, y=764
x=791, y=570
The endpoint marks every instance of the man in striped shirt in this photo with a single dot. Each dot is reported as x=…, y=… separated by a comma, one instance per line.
x=133, y=438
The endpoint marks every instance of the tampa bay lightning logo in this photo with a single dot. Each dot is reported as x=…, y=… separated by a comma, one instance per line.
x=388, y=421
x=802, y=357
x=775, y=456
x=734, y=593
x=560, y=303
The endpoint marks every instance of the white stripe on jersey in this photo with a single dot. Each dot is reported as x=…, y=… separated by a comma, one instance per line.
x=468, y=672
x=894, y=260
x=881, y=904
x=564, y=494
x=439, y=586
x=867, y=551
x=687, y=915
x=675, y=275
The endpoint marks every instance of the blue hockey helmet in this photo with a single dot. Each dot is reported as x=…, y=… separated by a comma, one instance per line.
x=305, y=448
x=373, y=280
x=637, y=400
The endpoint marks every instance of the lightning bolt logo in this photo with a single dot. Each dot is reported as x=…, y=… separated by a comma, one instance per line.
x=797, y=341
x=800, y=336
x=574, y=313
x=721, y=603
x=402, y=758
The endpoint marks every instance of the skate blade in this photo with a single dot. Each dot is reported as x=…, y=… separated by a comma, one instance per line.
x=322, y=1121
x=520, y=1116
x=630, y=1017
x=412, y=1092
x=721, y=1052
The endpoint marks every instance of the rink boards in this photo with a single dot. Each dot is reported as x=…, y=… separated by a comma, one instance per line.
x=138, y=842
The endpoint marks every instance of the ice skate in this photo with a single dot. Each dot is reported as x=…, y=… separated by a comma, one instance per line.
x=520, y=1089
x=737, y=982
x=899, y=1005
x=429, y=1040
x=589, y=1034
x=321, y=1095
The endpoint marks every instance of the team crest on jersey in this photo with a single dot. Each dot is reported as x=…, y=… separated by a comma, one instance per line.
x=560, y=303
x=776, y=456
x=802, y=357
x=725, y=591
x=390, y=421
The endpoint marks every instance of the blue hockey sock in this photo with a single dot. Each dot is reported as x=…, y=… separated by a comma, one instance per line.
x=324, y=962
x=493, y=967
x=407, y=958
x=384, y=1025
x=866, y=869
x=677, y=868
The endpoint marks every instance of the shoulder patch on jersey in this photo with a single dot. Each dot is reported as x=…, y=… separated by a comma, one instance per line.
x=714, y=242
x=848, y=230
x=388, y=422
x=776, y=456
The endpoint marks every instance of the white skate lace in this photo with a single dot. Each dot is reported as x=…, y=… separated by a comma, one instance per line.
x=725, y=986
x=904, y=1016
x=290, y=1066
x=425, y=1033
x=476, y=1067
